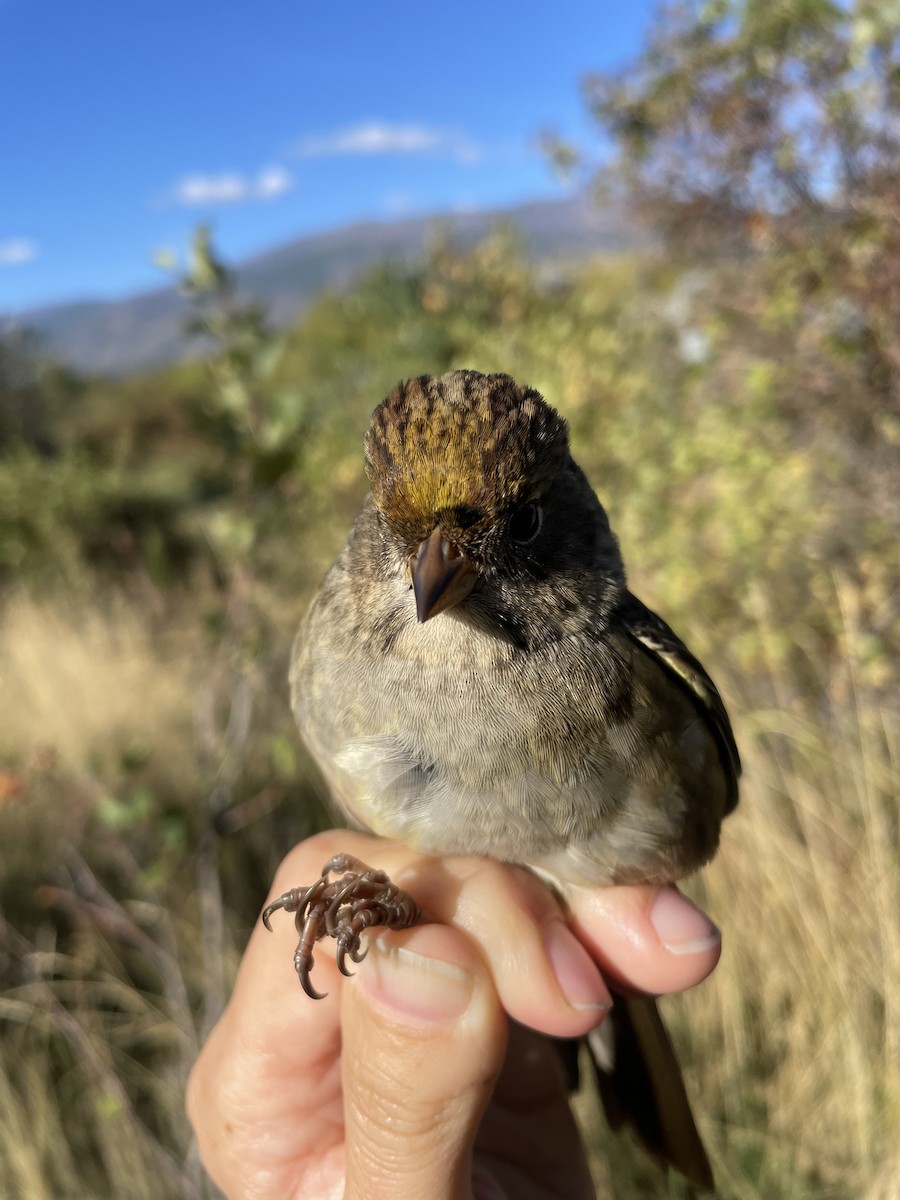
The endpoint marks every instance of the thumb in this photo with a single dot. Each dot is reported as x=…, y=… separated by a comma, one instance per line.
x=423, y=1040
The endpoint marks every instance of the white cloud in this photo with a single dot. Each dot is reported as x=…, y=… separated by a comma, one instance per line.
x=210, y=189
x=15, y=251
x=381, y=137
x=272, y=182
x=230, y=187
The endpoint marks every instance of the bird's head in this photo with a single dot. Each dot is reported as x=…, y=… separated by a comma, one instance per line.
x=477, y=490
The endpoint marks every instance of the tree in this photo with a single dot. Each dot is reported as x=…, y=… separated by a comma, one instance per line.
x=771, y=129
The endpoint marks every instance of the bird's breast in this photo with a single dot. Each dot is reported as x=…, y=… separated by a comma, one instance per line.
x=458, y=742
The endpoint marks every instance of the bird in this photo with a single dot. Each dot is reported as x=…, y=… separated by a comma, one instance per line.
x=475, y=677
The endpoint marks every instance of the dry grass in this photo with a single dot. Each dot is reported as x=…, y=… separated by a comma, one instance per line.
x=792, y=1049
x=94, y=697
x=806, y=1005
x=90, y=682
x=72, y=1092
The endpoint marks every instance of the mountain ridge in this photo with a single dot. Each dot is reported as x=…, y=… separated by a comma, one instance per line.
x=146, y=329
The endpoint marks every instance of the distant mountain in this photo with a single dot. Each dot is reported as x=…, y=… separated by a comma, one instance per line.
x=146, y=330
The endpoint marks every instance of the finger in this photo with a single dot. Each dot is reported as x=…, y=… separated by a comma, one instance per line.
x=264, y=1094
x=424, y=1035
x=545, y=977
x=652, y=939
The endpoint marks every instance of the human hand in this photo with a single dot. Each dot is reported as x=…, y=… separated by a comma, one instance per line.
x=409, y=1081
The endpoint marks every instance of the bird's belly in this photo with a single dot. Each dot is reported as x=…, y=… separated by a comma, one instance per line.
x=601, y=828
x=457, y=762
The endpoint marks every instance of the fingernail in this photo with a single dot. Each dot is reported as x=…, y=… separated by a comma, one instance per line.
x=681, y=927
x=575, y=971
x=415, y=986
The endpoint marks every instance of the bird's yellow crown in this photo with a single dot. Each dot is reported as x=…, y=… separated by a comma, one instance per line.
x=479, y=444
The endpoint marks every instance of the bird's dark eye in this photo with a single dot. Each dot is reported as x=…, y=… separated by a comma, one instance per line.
x=525, y=525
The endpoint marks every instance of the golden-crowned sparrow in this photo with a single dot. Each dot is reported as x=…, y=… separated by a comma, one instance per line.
x=546, y=718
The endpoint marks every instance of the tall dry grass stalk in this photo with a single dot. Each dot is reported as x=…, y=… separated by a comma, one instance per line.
x=806, y=1072
x=74, y=1091
x=92, y=1063
x=808, y=1000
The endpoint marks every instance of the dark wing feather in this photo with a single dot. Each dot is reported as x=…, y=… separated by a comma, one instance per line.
x=655, y=637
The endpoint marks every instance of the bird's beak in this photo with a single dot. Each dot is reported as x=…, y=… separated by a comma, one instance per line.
x=441, y=576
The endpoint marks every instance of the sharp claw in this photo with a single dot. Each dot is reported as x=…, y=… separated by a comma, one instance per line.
x=341, y=961
x=294, y=901
x=308, y=987
x=303, y=964
x=269, y=909
x=331, y=913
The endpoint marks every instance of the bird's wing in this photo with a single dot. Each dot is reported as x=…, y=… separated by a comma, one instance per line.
x=654, y=637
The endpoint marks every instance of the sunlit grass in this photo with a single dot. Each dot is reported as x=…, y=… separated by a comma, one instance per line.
x=93, y=683
x=805, y=1071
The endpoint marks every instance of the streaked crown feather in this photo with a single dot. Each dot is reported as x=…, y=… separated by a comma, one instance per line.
x=464, y=441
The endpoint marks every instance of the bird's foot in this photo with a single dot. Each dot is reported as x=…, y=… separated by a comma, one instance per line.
x=342, y=908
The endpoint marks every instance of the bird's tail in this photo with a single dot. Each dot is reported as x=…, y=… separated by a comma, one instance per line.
x=641, y=1085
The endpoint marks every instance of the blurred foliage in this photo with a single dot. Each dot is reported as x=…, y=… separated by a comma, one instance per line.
x=762, y=142
x=769, y=133
x=33, y=392
x=734, y=402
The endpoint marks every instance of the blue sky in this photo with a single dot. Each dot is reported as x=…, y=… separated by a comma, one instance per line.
x=126, y=124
